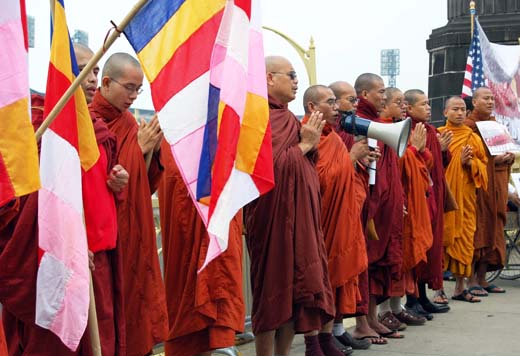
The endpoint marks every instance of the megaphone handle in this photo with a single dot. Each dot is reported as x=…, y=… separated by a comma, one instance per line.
x=372, y=168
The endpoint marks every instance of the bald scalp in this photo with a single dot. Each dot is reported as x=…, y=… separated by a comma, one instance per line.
x=340, y=87
x=366, y=81
x=273, y=63
x=453, y=100
x=313, y=94
x=412, y=96
x=80, y=48
x=390, y=94
x=116, y=63
x=480, y=91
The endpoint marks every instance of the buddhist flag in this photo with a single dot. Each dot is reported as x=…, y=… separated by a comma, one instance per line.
x=62, y=298
x=205, y=62
x=18, y=151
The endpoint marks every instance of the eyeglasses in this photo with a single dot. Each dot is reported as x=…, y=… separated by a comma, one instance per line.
x=129, y=87
x=330, y=102
x=291, y=74
x=352, y=99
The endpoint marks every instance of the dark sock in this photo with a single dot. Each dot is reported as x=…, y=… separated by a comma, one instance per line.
x=327, y=345
x=423, y=297
x=410, y=300
x=312, y=346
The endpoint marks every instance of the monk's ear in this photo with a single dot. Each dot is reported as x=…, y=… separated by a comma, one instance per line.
x=105, y=81
x=270, y=78
x=311, y=107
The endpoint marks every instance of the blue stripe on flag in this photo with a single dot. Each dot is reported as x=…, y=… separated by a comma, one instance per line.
x=150, y=20
x=209, y=145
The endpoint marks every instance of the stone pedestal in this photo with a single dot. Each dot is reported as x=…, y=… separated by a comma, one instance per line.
x=448, y=46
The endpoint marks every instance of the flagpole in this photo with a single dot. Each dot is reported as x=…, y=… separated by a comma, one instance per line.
x=472, y=11
x=84, y=73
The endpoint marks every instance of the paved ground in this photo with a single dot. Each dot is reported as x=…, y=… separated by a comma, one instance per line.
x=491, y=327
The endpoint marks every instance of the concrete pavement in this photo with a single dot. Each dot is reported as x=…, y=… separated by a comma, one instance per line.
x=491, y=327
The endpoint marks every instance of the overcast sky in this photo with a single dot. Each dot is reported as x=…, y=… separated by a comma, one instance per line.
x=348, y=35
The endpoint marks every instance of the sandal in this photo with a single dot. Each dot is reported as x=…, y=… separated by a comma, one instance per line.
x=391, y=322
x=494, y=289
x=375, y=340
x=478, y=291
x=440, y=297
x=466, y=296
x=392, y=334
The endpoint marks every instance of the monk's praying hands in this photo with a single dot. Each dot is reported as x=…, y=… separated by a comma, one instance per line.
x=445, y=139
x=149, y=135
x=311, y=131
x=117, y=178
x=418, y=137
x=466, y=155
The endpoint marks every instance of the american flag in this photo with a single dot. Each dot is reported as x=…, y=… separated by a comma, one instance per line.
x=474, y=76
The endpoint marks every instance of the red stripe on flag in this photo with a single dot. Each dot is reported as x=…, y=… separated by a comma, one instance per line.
x=229, y=131
x=244, y=5
x=24, y=24
x=264, y=164
x=66, y=123
x=190, y=61
x=6, y=186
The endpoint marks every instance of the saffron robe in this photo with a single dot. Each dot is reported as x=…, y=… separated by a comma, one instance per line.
x=491, y=208
x=463, y=181
x=284, y=237
x=144, y=296
x=431, y=271
x=205, y=309
x=3, y=344
x=384, y=207
x=343, y=193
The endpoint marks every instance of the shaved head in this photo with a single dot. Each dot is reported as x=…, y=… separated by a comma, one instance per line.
x=274, y=63
x=412, y=96
x=79, y=48
x=452, y=100
x=339, y=88
x=117, y=63
x=390, y=93
x=480, y=91
x=366, y=81
x=314, y=94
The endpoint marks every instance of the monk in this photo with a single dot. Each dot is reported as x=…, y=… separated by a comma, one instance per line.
x=19, y=246
x=383, y=212
x=347, y=101
x=205, y=309
x=290, y=282
x=417, y=232
x=430, y=272
x=466, y=173
x=343, y=192
x=491, y=204
x=145, y=304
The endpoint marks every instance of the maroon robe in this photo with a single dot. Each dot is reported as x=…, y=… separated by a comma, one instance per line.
x=145, y=302
x=431, y=271
x=385, y=207
x=285, y=240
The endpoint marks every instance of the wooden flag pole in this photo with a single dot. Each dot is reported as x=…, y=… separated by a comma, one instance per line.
x=84, y=73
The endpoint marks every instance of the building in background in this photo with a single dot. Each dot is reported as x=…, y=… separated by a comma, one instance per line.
x=390, y=65
x=448, y=46
x=30, y=30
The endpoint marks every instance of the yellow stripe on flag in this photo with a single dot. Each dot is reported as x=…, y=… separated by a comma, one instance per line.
x=18, y=147
x=60, y=49
x=88, y=148
x=252, y=132
x=190, y=16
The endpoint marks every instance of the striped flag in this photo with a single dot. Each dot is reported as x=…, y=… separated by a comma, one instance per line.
x=205, y=62
x=18, y=151
x=474, y=75
x=68, y=145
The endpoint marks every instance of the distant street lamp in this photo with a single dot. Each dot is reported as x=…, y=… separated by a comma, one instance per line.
x=308, y=56
x=390, y=63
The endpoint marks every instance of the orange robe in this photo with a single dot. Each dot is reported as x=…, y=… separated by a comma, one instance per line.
x=144, y=296
x=3, y=344
x=343, y=194
x=460, y=225
x=491, y=209
x=205, y=309
x=417, y=229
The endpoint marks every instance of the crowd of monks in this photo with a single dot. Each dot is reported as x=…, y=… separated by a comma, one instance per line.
x=325, y=244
